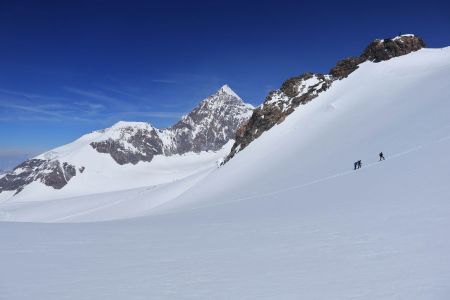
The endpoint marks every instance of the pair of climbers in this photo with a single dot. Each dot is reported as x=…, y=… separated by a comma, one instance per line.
x=358, y=164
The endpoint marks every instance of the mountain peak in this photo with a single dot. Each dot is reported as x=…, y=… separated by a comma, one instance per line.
x=125, y=124
x=225, y=89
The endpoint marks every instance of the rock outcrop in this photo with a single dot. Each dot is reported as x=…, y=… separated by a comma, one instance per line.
x=50, y=172
x=377, y=51
x=131, y=143
x=346, y=66
x=386, y=49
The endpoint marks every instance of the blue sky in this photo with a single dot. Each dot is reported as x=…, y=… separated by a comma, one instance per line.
x=70, y=68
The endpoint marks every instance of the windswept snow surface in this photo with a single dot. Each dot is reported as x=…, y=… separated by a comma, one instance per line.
x=286, y=218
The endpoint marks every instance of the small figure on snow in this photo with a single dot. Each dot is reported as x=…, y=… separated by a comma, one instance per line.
x=381, y=155
x=359, y=164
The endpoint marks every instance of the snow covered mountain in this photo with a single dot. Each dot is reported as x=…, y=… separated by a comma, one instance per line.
x=209, y=127
x=286, y=218
x=301, y=89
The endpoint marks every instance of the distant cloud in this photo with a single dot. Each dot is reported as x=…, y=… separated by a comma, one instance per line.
x=170, y=105
x=92, y=94
x=155, y=114
x=123, y=93
x=13, y=152
x=49, y=112
x=163, y=81
x=31, y=95
x=90, y=105
x=82, y=105
x=10, y=158
x=30, y=108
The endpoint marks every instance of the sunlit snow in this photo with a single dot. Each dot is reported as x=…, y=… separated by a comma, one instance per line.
x=286, y=218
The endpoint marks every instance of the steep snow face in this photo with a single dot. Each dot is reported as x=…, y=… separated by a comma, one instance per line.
x=302, y=89
x=209, y=127
x=225, y=89
x=278, y=105
x=286, y=218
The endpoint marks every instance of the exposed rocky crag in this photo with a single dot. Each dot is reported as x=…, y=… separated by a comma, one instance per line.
x=50, y=172
x=131, y=143
x=377, y=51
x=304, y=88
x=210, y=125
x=278, y=105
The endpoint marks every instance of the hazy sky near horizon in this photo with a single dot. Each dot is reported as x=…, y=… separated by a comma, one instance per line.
x=68, y=68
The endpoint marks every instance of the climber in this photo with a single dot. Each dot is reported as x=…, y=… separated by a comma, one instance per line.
x=381, y=155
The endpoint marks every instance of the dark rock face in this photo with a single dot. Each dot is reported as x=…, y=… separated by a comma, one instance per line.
x=346, y=66
x=302, y=89
x=135, y=144
x=210, y=125
x=49, y=172
x=278, y=105
x=377, y=51
x=386, y=49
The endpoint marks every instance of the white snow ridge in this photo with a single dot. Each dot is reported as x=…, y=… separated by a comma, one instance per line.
x=286, y=218
x=227, y=90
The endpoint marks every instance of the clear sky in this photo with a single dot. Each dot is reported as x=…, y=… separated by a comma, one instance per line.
x=69, y=68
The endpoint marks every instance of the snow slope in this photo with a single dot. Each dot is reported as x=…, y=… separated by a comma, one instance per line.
x=286, y=218
x=102, y=174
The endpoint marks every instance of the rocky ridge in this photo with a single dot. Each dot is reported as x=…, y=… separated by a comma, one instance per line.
x=210, y=125
x=377, y=51
x=304, y=88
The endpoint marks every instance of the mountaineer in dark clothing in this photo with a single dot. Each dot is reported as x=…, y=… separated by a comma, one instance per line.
x=381, y=156
x=359, y=164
